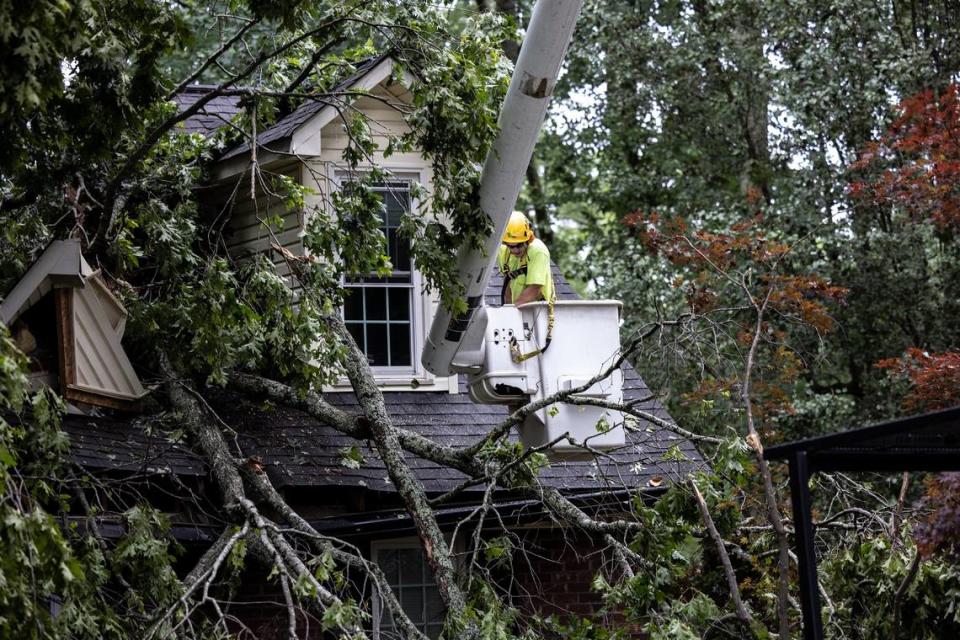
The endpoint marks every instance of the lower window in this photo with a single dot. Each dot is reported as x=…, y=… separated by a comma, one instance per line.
x=411, y=580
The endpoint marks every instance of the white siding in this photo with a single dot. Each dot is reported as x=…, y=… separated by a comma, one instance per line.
x=102, y=365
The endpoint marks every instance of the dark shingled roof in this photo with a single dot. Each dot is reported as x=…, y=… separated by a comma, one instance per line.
x=119, y=444
x=298, y=451
x=221, y=110
x=212, y=115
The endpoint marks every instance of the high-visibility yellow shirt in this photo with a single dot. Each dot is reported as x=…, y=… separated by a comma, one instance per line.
x=536, y=260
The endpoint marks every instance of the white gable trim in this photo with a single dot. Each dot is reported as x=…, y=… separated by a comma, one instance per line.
x=305, y=141
x=59, y=265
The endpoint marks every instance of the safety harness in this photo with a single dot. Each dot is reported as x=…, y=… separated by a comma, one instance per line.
x=514, y=345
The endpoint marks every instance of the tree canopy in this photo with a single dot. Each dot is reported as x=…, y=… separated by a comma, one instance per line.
x=770, y=188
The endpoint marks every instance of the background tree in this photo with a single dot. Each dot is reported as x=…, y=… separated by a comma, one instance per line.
x=99, y=156
x=709, y=110
x=699, y=170
x=717, y=113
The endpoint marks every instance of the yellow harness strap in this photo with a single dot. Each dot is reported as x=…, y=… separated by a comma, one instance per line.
x=515, y=346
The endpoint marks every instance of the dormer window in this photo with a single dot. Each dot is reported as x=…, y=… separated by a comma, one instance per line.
x=378, y=309
x=63, y=315
x=384, y=313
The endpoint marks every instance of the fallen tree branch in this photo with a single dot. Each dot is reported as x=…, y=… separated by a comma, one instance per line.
x=896, y=517
x=411, y=491
x=902, y=591
x=226, y=473
x=728, y=571
x=261, y=487
x=202, y=573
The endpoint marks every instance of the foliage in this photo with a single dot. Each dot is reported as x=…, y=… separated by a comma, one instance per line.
x=726, y=276
x=699, y=169
x=938, y=532
x=934, y=378
x=863, y=572
x=914, y=169
x=94, y=150
x=705, y=186
x=915, y=166
x=46, y=569
x=712, y=111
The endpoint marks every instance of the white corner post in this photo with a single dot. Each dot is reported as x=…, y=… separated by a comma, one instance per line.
x=534, y=77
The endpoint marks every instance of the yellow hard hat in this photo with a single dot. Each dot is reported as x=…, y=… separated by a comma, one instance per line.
x=518, y=229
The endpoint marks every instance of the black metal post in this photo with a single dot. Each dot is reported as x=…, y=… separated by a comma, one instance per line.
x=806, y=556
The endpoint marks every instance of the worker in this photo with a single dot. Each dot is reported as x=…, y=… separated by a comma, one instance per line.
x=524, y=262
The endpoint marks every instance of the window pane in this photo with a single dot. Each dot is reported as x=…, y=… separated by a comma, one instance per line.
x=399, y=304
x=397, y=202
x=353, y=305
x=399, y=251
x=388, y=561
x=411, y=566
x=399, y=345
x=434, y=605
x=376, y=349
x=416, y=592
x=386, y=619
x=356, y=330
x=376, y=299
x=411, y=599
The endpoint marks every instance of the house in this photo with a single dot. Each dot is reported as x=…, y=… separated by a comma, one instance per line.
x=309, y=461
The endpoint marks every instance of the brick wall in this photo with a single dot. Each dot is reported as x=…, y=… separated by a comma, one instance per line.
x=555, y=574
x=258, y=612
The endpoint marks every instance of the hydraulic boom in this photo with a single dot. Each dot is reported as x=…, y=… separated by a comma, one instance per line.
x=534, y=77
x=503, y=349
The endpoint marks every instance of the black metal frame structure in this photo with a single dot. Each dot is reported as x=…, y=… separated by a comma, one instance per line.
x=928, y=442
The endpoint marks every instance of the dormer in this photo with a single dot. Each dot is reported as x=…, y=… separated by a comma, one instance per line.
x=66, y=320
x=388, y=316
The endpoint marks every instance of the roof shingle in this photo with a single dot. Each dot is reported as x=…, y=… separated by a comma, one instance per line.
x=213, y=115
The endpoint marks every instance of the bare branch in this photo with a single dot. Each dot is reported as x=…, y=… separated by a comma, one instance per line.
x=902, y=591
x=728, y=571
x=213, y=57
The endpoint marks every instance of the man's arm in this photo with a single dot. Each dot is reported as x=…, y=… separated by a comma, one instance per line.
x=530, y=293
x=538, y=272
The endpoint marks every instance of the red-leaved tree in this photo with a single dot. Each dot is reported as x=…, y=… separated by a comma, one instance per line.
x=915, y=168
x=915, y=165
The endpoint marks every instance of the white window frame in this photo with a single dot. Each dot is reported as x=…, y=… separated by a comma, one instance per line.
x=400, y=378
x=376, y=547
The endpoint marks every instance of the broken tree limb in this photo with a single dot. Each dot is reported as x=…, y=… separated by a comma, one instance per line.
x=411, y=491
x=728, y=571
x=261, y=487
x=226, y=472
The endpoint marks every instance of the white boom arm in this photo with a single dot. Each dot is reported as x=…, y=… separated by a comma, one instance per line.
x=535, y=75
